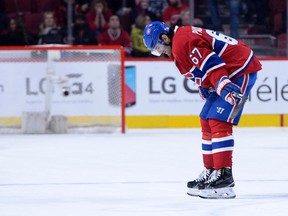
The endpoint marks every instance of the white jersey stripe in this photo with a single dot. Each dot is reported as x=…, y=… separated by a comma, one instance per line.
x=211, y=69
x=213, y=43
x=192, y=69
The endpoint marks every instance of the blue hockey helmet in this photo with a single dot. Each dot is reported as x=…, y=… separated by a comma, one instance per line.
x=152, y=33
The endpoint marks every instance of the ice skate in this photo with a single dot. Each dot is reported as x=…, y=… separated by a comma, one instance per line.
x=219, y=185
x=195, y=184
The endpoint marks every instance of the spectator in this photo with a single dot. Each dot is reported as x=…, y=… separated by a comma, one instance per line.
x=59, y=9
x=82, y=6
x=278, y=14
x=255, y=11
x=17, y=35
x=115, y=35
x=184, y=20
x=138, y=47
x=81, y=32
x=123, y=9
x=172, y=13
x=157, y=7
x=50, y=33
x=234, y=8
x=98, y=17
x=143, y=9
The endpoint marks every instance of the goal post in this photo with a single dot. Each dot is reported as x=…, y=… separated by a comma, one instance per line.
x=62, y=89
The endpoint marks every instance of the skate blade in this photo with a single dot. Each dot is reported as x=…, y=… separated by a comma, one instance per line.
x=193, y=192
x=220, y=193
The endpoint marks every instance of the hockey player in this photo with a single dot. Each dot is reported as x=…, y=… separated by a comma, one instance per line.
x=225, y=70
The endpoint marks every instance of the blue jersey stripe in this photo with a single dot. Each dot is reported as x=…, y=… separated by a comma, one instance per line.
x=218, y=46
x=211, y=62
x=196, y=74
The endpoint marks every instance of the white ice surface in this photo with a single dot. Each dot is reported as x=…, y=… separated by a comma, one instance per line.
x=141, y=173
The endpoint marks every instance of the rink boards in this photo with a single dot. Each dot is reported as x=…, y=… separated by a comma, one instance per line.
x=163, y=98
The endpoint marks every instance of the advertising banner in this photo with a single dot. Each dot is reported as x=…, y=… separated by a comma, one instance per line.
x=162, y=90
x=23, y=87
x=152, y=88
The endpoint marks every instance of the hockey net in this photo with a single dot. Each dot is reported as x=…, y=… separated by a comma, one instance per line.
x=62, y=89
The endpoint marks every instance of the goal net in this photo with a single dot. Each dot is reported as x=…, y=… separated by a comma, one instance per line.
x=62, y=89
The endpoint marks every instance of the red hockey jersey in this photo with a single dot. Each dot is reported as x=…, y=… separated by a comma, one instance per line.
x=122, y=38
x=204, y=56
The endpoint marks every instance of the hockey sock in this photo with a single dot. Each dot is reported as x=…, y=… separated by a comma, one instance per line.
x=222, y=143
x=206, y=144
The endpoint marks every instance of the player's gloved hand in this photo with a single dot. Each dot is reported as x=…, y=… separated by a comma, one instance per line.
x=205, y=92
x=229, y=91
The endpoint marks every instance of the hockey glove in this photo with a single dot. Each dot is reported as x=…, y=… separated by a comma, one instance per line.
x=229, y=91
x=205, y=92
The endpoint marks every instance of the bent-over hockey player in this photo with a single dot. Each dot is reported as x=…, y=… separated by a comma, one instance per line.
x=225, y=70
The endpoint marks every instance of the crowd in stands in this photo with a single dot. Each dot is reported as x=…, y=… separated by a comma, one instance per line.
x=110, y=22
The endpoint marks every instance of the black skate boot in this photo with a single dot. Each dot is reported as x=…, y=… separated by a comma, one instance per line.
x=198, y=182
x=219, y=185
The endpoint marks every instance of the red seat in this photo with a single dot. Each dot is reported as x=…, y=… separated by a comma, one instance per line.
x=47, y=5
x=16, y=6
x=32, y=22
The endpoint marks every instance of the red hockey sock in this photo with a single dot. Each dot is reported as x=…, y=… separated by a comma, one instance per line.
x=222, y=143
x=206, y=144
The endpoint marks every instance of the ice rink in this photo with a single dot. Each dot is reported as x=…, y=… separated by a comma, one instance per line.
x=141, y=173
